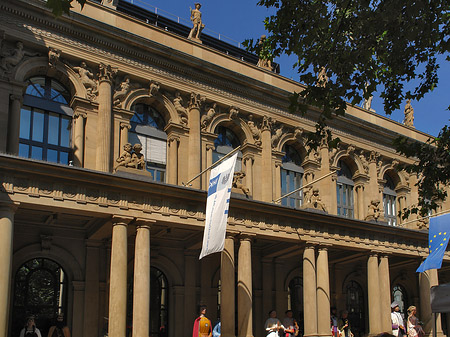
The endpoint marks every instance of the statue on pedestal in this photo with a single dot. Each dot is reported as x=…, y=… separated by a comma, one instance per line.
x=196, y=18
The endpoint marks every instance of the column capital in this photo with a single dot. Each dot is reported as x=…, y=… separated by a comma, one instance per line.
x=231, y=234
x=9, y=205
x=173, y=138
x=106, y=73
x=144, y=223
x=16, y=97
x=311, y=244
x=375, y=253
x=196, y=101
x=323, y=246
x=81, y=114
x=121, y=220
x=210, y=147
x=246, y=236
x=125, y=125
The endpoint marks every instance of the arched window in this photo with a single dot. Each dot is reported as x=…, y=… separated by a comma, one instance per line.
x=147, y=129
x=291, y=177
x=344, y=191
x=159, y=303
x=389, y=201
x=295, y=300
x=399, y=295
x=45, y=121
x=40, y=288
x=225, y=142
x=355, y=307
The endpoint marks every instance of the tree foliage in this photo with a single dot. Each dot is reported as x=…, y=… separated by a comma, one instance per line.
x=60, y=7
x=365, y=45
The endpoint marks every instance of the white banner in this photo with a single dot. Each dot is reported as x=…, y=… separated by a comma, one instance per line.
x=217, y=204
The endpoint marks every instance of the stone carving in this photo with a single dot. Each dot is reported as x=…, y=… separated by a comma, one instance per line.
x=234, y=112
x=154, y=88
x=198, y=26
x=122, y=90
x=367, y=102
x=277, y=136
x=10, y=59
x=179, y=107
x=364, y=161
x=196, y=100
x=256, y=133
x=322, y=78
x=409, y=114
x=207, y=118
x=314, y=200
x=106, y=72
x=298, y=133
x=374, y=211
x=267, y=123
x=373, y=157
x=53, y=56
x=264, y=60
x=87, y=79
x=131, y=157
x=423, y=223
x=237, y=182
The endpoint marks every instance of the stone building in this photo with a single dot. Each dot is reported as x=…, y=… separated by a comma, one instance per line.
x=106, y=231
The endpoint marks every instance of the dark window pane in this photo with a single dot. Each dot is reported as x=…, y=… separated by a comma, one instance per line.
x=25, y=115
x=65, y=131
x=24, y=150
x=38, y=126
x=64, y=157
x=36, y=152
x=52, y=156
x=53, y=128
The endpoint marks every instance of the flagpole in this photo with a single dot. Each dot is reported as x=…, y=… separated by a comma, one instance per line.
x=302, y=187
x=425, y=217
x=213, y=165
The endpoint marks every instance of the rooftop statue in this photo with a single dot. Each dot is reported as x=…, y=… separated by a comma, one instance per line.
x=409, y=114
x=196, y=18
x=265, y=58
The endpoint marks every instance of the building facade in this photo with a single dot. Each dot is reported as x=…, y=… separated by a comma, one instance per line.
x=106, y=114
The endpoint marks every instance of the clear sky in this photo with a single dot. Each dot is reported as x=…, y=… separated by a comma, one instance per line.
x=237, y=20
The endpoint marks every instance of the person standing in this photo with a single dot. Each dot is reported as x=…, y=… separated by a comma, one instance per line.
x=334, y=322
x=30, y=329
x=290, y=324
x=202, y=325
x=59, y=329
x=344, y=325
x=273, y=325
x=398, y=327
x=414, y=326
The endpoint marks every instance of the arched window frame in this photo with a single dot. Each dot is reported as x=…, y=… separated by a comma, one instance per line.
x=291, y=177
x=344, y=191
x=46, y=121
x=390, y=201
x=355, y=307
x=147, y=129
x=225, y=142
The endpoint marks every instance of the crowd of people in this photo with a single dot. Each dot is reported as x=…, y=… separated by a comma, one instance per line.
x=59, y=329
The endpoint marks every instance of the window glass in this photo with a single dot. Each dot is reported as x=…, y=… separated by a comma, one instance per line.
x=36, y=152
x=344, y=191
x=52, y=156
x=291, y=177
x=38, y=125
x=25, y=117
x=53, y=128
x=24, y=150
x=65, y=131
x=64, y=157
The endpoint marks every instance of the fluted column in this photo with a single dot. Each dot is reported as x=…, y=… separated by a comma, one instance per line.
x=266, y=157
x=78, y=138
x=245, y=311
x=172, y=167
x=385, y=292
x=124, y=128
x=194, y=162
x=373, y=284
x=323, y=293
x=227, y=284
x=141, y=286
x=7, y=211
x=104, y=118
x=359, y=201
x=118, y=278
x=310, y=290
x=14, y=124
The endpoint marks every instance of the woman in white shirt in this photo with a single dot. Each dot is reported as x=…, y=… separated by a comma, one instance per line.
x=273, y=325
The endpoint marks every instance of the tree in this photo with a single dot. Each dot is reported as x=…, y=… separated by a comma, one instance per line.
x=363, y=45
x=59, y=7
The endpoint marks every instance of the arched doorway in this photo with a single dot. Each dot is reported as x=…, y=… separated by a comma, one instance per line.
x=399, y=295
x=355, y=307
x=295, y=301
x=40, y=289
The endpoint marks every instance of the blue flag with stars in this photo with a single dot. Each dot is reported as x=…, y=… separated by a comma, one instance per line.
x=438, y=236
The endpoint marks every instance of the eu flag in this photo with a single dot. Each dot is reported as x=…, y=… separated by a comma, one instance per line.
x=438, y=236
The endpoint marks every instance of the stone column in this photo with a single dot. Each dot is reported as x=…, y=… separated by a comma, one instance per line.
x=266, y=158
x=244, y=288
x=227, y=305
x=118, y=278
x=385, y=292
x=92, y=287
x=104, y=118
x=14, y=124
x=280, y=293
x=141, y=286
x=248, y=164
x=190, y=272
x=7, y=211
x=373, y=284
x=124, y=128
x=310, y=290
x=359, y=201
x=194, y=161
x=209, y=162
x=323, y=293
x=428, y=279
x=77, y=309
x=277, y=182
x=172, y=167
x=78, y=138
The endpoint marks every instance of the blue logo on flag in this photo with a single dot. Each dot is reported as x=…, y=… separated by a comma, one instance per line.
x=213, y=185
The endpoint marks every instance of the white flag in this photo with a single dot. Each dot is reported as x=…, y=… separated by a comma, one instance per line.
x=217, y=204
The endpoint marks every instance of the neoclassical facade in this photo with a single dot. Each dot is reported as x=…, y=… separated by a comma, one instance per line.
x=106, y=114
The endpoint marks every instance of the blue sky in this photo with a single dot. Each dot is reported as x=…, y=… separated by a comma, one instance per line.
x=237, y=20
